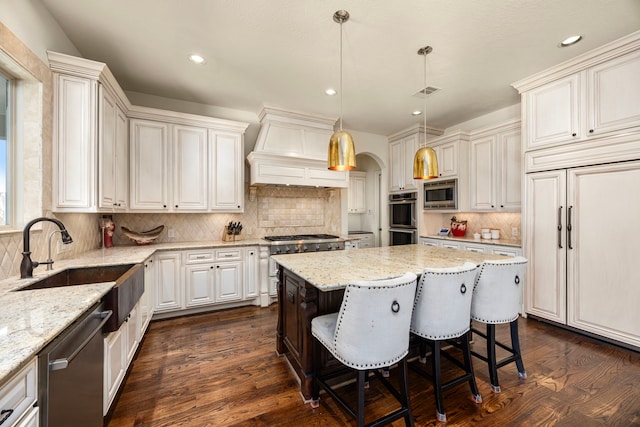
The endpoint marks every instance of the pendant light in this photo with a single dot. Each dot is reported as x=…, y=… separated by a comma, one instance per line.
x=342, y=151
x=425, y=163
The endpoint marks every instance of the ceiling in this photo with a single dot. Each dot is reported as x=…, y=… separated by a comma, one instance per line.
x=286, y=52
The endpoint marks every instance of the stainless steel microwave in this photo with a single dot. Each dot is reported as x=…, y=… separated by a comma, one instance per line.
x=441, y=195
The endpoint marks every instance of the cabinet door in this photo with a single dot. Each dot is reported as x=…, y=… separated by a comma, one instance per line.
x=149, y=167
x=483, y=172
x=122, y=159
x=168, y=282
x=113, y=154
x=228, y=282
x=75, y=140
x=251, y=265
x=115, y=365
x=553, y=113
x=545, y=211
x=357, y=192
x=509, y=172
x=396, y=164
x=199, y=280
x=107, y=151
x=613, y=94
x=147, y=301
x=132, y=335
x=410, y=146
x=190, y=167
x=227, y=172
x=602, y=277
x=447, y=155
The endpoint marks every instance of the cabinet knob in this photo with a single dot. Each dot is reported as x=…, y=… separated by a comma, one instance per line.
x=574, y=134
x=502, y=206
x=217, y=266
x=211, y=266
x=590, y=130
x=176, y=206
x=164, y=206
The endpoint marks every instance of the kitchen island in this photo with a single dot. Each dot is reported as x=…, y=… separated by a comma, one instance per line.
x=312, y=284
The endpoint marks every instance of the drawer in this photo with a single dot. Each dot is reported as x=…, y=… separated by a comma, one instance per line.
x=19, y=394
x=199, y=256
x=228, y=254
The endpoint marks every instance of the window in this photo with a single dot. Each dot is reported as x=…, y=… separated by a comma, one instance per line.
x=5, y=155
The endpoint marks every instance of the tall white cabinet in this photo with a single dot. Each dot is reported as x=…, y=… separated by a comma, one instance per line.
x=582, y=165
x=111, y=156
x=90, y=137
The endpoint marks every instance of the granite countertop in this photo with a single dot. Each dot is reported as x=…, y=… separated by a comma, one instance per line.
x=29, y=320
x=333, y=270
x=466, y=239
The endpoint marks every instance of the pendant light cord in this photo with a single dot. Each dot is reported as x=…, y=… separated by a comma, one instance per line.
x=340, y=75
x=425, y=100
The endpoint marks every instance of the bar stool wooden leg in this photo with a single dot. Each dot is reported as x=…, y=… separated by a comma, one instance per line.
x=491, y=358
x=515, y=343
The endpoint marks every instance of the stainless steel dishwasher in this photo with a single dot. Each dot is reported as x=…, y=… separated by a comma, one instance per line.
x=70, y=373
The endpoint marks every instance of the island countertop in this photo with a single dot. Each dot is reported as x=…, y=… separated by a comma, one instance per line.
x=333, y=270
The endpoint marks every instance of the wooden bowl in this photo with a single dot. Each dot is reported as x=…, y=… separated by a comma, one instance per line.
x=143, y=237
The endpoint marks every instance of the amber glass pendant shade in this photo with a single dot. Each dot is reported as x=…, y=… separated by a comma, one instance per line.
x=342, y=152
x=425, y=164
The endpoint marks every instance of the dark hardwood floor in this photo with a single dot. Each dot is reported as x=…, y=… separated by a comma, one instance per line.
x=220, y=369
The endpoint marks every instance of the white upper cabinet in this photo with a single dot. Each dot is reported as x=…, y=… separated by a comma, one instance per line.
x=614, y=95
x=74, y=143
x=113, y=170
x=401, y=153
x=190, y=168
x=496, y=169
x=357, y=192
x=588, y=98
x=555, y=113
x=89, y=136
x=227, y=172
x=149, y=165
x=109, y=155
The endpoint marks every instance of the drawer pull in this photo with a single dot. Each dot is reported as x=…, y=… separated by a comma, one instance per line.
x=6, y=413
x=290, y=297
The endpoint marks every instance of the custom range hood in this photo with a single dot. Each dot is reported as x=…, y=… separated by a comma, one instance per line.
x=291, y=149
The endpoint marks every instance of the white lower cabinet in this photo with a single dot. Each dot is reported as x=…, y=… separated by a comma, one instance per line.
x=190, y=280
x=31, y=419
x=19, y=394
x=251, y=276
x=168, y=281
x=471, y=246
x=115, y=364
x=119, y=349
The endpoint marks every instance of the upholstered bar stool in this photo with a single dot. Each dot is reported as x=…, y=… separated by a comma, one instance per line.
x=496, y=300
x=441, y=314
x=370, y=332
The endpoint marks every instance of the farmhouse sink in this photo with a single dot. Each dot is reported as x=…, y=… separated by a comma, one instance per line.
x=127, y=290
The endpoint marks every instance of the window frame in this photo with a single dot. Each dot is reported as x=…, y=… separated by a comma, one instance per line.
x=10, y=115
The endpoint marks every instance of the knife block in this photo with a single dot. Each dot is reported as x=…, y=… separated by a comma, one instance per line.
x=229, y=237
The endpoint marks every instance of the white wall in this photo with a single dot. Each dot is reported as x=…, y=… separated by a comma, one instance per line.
x=32, y=23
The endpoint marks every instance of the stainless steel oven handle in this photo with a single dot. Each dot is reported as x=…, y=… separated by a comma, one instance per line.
x=59, y=364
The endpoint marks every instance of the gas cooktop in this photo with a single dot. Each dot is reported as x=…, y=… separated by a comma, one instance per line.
x=297, y=237
x=296, y=243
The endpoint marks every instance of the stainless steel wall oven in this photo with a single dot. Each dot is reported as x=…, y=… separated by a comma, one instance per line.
x=402, y=210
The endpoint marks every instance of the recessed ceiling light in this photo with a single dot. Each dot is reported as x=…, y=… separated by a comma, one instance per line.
x=570, y=41
x=195, y=58
x=330, y=92
x=416, y=113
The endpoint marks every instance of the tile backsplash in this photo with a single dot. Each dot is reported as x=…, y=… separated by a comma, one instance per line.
x=503, y=221
x=274, y=210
